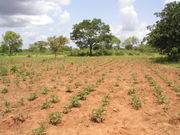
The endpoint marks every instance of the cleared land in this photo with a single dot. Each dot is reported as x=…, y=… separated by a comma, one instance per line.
x=143, y=97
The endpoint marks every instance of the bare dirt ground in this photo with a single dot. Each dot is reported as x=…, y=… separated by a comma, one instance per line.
x=119, y=75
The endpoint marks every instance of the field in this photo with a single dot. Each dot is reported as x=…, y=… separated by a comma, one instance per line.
x=88, y=96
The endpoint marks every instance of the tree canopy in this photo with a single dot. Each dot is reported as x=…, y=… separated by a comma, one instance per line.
x=165, y=33
x=92, y=34
x=130, y=42
x=56, y=43
x=11, y=43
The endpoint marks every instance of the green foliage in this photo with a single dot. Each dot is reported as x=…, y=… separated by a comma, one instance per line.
x=4, y=90
x=75, y=101
x=55, y=118
x=14, y=69
x=54, y=98
x=44, y=90
x=105, y=100
x=57, y=43
x=3, y=70
x=32, y=96
x=130, y=42
x=45, y=104
x=136, y=101
x=165, y=32
x=69, y=89
x=40, y=130
x=92, y=34
x=131, y=91
x=11, y=41
x=97, y=115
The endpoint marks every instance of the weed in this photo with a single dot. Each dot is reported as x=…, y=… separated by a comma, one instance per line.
x=55, y=118
x=67, y=108
x=97, y=115
x=82, y=94
x=77, y=84
x=14, y=69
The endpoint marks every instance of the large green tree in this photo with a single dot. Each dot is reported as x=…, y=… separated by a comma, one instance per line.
x=90, y=34
x=56, y=43
x=165, y=33
x=12, y=42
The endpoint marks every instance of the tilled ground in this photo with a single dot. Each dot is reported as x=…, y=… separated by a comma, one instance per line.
x=119, y=75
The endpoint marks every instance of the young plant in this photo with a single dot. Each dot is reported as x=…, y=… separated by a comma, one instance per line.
x=44, y=90
x=32, y=96
x=45, y=104
x=69, y=89
x=131, y=91
x=4, y=90
x=136, y=101
x=54, y=98
x=75, y=101
x=40, y=130
x=97, y=115
x=21, y=101
x=105, y=100
x=55, y=118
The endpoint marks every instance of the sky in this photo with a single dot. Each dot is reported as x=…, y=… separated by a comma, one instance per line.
x=38, y=19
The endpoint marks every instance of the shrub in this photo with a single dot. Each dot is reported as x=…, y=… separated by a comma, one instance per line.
x=54, y=98
x=97, y=115
x=32, y=96
x=55, y=118
x=82, y=94
x=4, y=90
x=67, y=108
x=3, y=70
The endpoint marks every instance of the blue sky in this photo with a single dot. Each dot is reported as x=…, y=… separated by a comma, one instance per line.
x=37, y=19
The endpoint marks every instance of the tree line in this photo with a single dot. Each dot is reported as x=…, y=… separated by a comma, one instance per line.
x=95, y=35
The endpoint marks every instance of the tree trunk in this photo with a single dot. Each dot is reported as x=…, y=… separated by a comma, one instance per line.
x=90, y=50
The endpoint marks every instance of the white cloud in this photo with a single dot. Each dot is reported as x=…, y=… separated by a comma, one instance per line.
x=167, y=1
x=64, y=17
x=64, y=2
x=130, y=23
x=20, y=13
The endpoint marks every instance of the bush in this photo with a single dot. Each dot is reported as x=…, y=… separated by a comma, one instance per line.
x=45, y=104
x=40, y=130
x=54, y=98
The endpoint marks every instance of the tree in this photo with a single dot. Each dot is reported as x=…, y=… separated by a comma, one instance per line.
x=39, y=46
x=12, y=42
x=90, y=34
x=57, y=43
x=165, y=33
x=130, y=42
